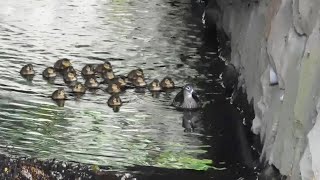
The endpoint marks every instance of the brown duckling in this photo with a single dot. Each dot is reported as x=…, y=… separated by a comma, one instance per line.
x=139, y=82
x=114, y=100
x=59, y=94
x=120, y=80
x=167, y=83
x=155, y=85
x=135, y=73
x=114, y=87
x=62, y=64
x=69, y=77
x=91, y=83
x=49, y=73
x=79, y=88
x=108, y=75
x=88, y=70
x=106, y=66
x=27, y=70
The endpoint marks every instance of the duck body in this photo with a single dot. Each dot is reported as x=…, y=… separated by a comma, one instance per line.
x=49, y=73
x=92, y=83
x=62, y=64
x=27, y=70
x=154, y=86
x=78, y=88
x=59, y=94
x=167, y=83
x=187, y=99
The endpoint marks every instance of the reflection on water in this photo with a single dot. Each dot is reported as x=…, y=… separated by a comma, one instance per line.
x=156, y=36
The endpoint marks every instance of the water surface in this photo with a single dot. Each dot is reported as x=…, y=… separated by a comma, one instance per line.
x=159, y=36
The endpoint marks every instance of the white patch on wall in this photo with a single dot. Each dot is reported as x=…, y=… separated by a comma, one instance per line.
x=204, y=18
x=256, y=126
x=273, y=77
x=281, y=96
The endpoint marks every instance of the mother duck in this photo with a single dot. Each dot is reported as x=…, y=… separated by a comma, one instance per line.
x=187, y=99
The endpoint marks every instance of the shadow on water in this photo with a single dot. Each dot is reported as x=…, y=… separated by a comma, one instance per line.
x=146, y=134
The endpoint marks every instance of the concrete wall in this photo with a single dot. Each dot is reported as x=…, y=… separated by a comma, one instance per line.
x=276, y=48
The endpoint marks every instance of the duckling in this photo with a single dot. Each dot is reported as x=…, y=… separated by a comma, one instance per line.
x=167, y=83
x=120, y=80
x=114, y=88
x=114, y=100
x=126, y=80
x=59, y=94
x=155, y=85
x=49, y=73
x=91, y=83
x=79, y=88
x=70, y=69
x=135, y=73
x=187, y=98
x=88, y=70
x=69, y=77
x=62, y=64
x=108, y=75
x=27, y=70
x=139, y=82
x=106, y=66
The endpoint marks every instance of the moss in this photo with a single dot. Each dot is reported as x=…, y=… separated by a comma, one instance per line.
x=182, y=161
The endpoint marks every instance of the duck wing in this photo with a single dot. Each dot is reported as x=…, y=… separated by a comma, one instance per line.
x=196, y=97
x=178, y=100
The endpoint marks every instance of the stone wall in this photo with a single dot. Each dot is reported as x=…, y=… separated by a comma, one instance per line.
x=276, y=49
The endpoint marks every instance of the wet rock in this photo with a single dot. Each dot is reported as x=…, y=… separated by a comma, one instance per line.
x=270, y=173
x=33, y=169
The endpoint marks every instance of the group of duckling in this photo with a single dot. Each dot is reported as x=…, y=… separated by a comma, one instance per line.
x=91, y=73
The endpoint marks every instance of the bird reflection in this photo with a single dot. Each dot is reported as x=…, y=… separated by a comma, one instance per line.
x=116, y=108
x=28, y=77
x=60, y=103
x=191, y=121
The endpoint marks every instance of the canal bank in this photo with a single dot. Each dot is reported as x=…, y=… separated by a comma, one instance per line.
x=275, y=47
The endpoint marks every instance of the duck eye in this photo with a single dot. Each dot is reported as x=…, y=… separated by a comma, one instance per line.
x=187, y=88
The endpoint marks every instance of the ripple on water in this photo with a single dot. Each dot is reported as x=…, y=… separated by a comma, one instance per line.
x=146, y=130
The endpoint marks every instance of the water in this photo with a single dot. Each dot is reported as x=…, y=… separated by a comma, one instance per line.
x=160, y=36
